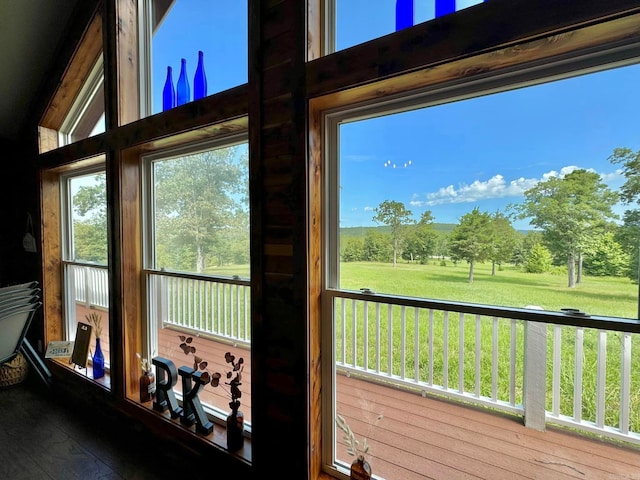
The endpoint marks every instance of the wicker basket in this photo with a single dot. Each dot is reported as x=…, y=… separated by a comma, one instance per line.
x=13, y=372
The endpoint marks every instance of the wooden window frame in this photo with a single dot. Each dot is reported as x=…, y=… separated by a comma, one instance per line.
x=54, y=243
x=87, y=108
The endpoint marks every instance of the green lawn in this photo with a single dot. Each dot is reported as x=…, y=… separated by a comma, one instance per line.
x=617, y=297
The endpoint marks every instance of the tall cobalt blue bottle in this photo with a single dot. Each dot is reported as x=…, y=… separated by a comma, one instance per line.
x=168, y=92
x=404, y=14
x=183, y=90
x=98, y=361
x=445, y=7
x=200, y=79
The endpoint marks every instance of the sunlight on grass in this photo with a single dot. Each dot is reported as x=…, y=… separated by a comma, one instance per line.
x=615, y=297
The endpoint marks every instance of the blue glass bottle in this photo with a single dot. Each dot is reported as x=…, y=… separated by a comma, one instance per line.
x=98, y=361
x=168, y=92
x=200, y=79
x=404, y=14
x=183, y=90
x=445, y=7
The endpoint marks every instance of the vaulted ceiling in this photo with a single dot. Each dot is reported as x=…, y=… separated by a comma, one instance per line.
x=31, y=32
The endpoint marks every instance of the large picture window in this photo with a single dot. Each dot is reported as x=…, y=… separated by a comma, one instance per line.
x=522, y=188
x=452, y=211
x=197, y=258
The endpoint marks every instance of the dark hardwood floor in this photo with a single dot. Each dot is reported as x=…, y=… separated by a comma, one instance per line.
x=43, y=438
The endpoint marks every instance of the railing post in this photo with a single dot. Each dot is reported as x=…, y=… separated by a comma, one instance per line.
x=163, y=301
x=535, y=374
x=87, y=287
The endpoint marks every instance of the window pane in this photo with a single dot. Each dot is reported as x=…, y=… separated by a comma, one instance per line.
x=199, y=293
x=188, y=27
x=202, y=212
x=86, y=282
x=507, y=199
x=86, y=117
x=357, y=22
x=88, y=207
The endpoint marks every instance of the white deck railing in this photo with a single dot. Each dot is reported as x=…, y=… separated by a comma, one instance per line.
x=216, y=308
x=584, y=378
x=91, y=285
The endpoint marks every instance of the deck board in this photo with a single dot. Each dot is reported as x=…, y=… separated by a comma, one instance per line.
x=214, y=353
x=426, y=437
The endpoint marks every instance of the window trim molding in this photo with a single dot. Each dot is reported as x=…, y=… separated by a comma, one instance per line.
x=84, y=101
x=84, y=58
x=144, y=46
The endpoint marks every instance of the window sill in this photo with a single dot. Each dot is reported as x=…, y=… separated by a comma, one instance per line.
x=86, y=373
x=216, y=439
x=145, y=412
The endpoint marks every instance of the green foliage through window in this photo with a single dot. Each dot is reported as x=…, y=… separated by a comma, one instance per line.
x=201, y=214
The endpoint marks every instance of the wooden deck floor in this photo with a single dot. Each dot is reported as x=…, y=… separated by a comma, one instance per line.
x=429, y=438
x=420, y=438
x=214, y=354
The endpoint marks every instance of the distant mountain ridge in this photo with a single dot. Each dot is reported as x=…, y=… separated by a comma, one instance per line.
x=362, y=231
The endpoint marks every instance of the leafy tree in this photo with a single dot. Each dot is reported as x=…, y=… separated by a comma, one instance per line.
x=630, y=161
x=442, y=246
x=524, y=245
x=352, y=249
x=420, y=242
x=410, y=246
x=395, y=215
x=629, y=234
x=90, y=221
x=605, y=257
x=538, y=260
x=471, y=239
x=503, y=241
x=201, y=208
x=376, y=247
x=569, y=210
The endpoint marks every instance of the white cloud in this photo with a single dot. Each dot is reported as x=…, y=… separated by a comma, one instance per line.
x=612, y=177
x=369, y=209
x=495, y=187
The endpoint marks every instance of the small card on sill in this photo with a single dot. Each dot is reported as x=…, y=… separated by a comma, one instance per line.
x=59, y=349
x=81, y=346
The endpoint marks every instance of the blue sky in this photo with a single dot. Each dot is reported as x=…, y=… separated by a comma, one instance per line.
x=486, y=152
x=483, y=152
x=216, y=27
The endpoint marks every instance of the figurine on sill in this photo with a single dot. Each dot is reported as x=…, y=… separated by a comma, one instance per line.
x=147, y=380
